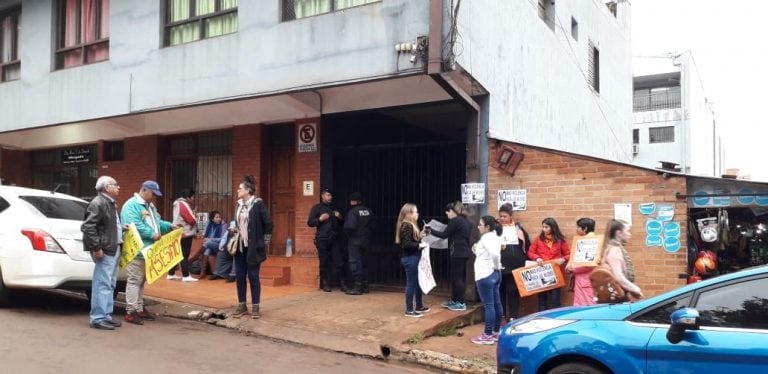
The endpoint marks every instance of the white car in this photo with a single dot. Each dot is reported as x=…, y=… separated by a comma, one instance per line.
x=41, y=245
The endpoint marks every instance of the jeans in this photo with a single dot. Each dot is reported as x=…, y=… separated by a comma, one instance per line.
x=186, y=247
x=549, y=299
x=412, y=288
x=243, y=269
x=357, y=270
x=510, y=296
x=458, y=279
x=103, y=287
x=488, y=288
x=211, y=246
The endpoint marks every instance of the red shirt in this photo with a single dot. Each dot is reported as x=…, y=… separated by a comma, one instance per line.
x=540, y=249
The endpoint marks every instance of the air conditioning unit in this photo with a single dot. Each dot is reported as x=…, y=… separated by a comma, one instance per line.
x=635, y=148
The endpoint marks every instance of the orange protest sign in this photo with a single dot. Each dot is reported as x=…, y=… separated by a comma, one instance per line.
x=534, y=279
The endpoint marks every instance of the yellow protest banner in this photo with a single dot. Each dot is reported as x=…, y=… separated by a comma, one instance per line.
x=163, y=255
x=131, y=245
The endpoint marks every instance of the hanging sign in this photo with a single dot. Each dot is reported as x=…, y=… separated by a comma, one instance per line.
x=623, y=212
x=307, y=138
x=518, y=199
x=473, y=193
x=586, y=250
x=80, y=155
x=534, y=279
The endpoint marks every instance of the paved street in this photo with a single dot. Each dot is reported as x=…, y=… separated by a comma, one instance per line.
x=49, y=333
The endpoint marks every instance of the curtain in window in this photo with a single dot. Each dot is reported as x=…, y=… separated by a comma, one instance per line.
x=204, y=7
x=179, y=10
x=342, y=4
x=221, y=25
x=228, y=4
x=71, y=24
x=104, y=29
x=91, y=19
x=7, y=31
x=308, y=8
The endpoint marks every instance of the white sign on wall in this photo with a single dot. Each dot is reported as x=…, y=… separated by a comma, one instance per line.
x=307, y=137
x=518, y=199
x=473, y=193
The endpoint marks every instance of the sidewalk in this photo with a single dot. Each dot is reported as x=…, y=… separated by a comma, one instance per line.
x=370, y=325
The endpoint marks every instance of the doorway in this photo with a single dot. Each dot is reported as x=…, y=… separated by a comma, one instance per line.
x=280, y=161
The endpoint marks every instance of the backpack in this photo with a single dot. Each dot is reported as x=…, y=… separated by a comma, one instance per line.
x=604, y=285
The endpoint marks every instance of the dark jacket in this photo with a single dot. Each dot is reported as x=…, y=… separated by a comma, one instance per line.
x=360, y=222
x=409, y=245
x=458, y=231
x=259, y=225
x=328, y=229
x=100, y=225
x=514, y=256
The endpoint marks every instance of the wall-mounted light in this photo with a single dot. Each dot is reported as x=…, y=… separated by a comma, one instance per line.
x=508, y=159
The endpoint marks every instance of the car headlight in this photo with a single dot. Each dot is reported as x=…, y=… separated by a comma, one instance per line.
x=537, y=325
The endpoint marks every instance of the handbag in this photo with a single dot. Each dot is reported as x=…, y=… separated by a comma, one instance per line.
x=606, y=288
x=234, y=244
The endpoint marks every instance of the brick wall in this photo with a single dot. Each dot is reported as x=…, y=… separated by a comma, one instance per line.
x=568, y=187
x=16, y=167
x=306, y=272
x=140, y=163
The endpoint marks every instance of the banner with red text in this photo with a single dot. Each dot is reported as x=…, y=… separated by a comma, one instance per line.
x=163, y=255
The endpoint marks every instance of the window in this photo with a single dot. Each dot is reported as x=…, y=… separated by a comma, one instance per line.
x=664, y=134
x=83, y=32
x=547, y=12
x=740, y=305
x=51, y=170
x=635, y=136
x=190, y=20
x=661, y=313
x=296, y=9
x=4, y=204
x=657, y=98
x=113, y=151
x=56, y=208
x=10, y=65
x=574, y=29
x=594, y=67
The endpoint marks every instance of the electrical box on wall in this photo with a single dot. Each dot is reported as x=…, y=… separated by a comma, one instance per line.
x=507, y=159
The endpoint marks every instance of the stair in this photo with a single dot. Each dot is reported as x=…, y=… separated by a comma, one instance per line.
x=275, y=275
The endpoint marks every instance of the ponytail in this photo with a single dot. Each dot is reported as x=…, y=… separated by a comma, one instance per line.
x=493, y=224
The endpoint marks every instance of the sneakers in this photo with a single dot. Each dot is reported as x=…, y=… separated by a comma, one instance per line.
x=413, y=314
x=457, y=306
x=495, y=336
x=423, y=309
x=188, y=278
x=147, y=316
x=241, y=310
x=133, y=318
x=172, y=277
x=483, y=339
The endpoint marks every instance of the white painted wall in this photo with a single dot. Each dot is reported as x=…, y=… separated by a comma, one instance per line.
x=264, y=56
x=537, y=76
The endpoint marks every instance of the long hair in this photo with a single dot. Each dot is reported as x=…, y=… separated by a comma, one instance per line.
x=613, y=226
x=213, y=214
x=492, y=223
x=586, y=224
x=557, y=235
x=457, y=207
x=402, y=219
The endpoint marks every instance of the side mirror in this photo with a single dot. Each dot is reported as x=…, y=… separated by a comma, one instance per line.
x=682, y=320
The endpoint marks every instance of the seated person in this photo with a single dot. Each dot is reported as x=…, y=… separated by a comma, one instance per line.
x=213, y=233
x=225, y=268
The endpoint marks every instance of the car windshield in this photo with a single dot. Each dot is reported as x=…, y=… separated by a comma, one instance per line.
x=56, y=208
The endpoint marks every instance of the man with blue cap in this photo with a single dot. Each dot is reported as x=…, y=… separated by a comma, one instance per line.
x=140, y=210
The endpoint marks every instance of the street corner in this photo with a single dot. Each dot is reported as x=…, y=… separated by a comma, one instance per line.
x=450, y=348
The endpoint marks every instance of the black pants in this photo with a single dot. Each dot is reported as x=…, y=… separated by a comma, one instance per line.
x=510, y=296
x=356, y=248
x=245, y=270
x=186, y=247
x=332, y=262
x=458, y=279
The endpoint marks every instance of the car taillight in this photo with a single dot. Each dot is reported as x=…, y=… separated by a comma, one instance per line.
x=42, y=241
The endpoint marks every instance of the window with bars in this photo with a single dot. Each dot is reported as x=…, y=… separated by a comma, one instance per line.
x=10, y=65
x=297, y=9
x=664, y=134
x=594, y=67
x=190, y=20
x=83, y=32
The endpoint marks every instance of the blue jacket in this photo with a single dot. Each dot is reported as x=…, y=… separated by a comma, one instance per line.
x=144, y=215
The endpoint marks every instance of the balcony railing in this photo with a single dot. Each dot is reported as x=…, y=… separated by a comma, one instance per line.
x=656, y=101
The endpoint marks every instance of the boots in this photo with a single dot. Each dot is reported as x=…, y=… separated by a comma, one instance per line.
x=357, y=289
x=364, y=287
x=324, y=285
x=203, y=266
x=255, y=311
x=241, y=309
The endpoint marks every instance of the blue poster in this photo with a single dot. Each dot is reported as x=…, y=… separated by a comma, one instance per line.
x=746, y=200
x=671, y=244
x=653, y=227
x=701, y=199
x=653, y=241
x=647, y=208
x=672, y=229
x=762, y=200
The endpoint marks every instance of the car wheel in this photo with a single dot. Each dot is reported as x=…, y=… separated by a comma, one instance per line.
x=5, y=297
x=576, y=368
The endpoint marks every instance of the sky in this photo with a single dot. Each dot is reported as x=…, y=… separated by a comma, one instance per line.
x=728, y=42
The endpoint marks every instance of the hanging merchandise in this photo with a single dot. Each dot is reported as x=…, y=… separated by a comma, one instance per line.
x=708, y=229
x=724, y=230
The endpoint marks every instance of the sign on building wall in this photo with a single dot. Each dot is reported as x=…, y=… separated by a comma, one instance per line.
x=518, y=199
x=307, y=137
x=473, y=193
x=79, y=155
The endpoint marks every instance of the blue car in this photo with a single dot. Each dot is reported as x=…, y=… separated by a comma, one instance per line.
x=719, y=325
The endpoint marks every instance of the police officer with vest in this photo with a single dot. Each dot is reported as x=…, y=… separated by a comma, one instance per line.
x=329, y=252
x=358, y=226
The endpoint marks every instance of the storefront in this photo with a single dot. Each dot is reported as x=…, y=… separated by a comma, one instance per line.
x=727, y=224
x=71, y=170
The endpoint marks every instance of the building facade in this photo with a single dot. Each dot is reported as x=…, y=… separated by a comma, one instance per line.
x=401, y=100
x=674, y=121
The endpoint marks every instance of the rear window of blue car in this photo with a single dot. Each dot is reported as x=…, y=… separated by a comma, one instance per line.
x=56, y=208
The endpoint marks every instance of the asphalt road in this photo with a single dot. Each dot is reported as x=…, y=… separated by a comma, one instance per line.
x=49, y=333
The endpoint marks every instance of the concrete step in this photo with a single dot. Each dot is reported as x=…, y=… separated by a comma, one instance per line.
x=275, y=275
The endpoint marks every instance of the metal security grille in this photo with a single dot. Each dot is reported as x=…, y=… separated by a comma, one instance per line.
x=594, y=67
x=664, y=134
x=428, y=174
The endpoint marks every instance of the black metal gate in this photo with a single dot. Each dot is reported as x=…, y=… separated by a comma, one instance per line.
x=427, y=174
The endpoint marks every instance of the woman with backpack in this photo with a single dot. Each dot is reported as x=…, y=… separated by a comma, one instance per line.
x=549, y=245
x=615, y=255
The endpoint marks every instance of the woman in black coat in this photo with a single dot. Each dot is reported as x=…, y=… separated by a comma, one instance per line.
x=457, y=232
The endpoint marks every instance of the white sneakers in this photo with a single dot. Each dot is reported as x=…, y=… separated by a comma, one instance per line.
x=188, y=278
x=172, y=277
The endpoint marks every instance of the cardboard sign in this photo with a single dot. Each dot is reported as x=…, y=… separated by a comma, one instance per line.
x=132, y=245
x=163, y=255
x=534, y=279
x=586, y=250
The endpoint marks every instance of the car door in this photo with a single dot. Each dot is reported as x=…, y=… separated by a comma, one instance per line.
x=733, y=334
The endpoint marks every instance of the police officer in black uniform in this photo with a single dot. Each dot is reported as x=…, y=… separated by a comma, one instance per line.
x=359, y=226
x=327, y=221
